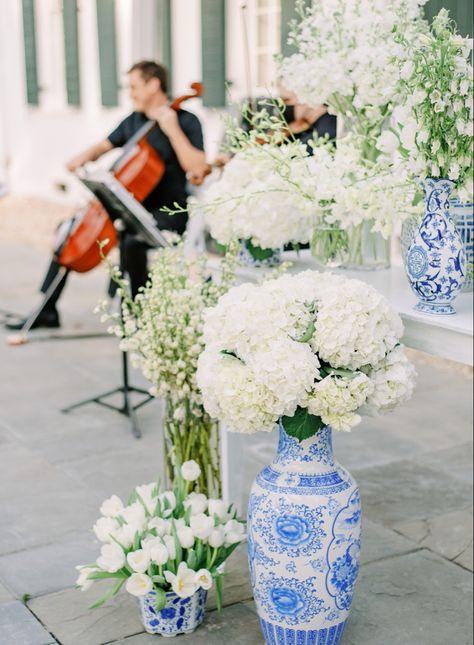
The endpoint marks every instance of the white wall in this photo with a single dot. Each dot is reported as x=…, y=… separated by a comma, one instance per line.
x=35, y=142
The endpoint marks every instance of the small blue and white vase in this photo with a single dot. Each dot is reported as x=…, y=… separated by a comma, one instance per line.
x=436, y=261
x=272, y=257
x=179, y=616
x=304, y=524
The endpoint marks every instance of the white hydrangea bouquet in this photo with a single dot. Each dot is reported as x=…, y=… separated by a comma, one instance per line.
x=254, y=199
x=436, y=120
x=162, y=331
x=348, y=56
x=311, y=350
x=258, y=198
x=166, y=544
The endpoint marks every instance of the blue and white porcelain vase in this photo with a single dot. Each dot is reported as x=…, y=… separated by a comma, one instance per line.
x=267, y=258
x=304, y=525
x=179, y=616
x=436, y=262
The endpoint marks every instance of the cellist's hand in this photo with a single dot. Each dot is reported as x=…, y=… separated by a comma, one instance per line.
x=76, y=162
x=167, y=119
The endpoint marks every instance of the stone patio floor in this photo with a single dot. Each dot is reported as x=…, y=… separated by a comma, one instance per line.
x=414, y=469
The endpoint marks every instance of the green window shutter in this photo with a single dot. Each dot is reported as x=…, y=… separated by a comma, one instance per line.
x=107, y=52
x=213, y=52
x=71, y=52
x=288, y=14
x=164, y=33
x=459, y=10
x=29, y=36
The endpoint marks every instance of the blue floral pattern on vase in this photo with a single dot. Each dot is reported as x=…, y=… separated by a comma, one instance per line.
x=304, y=542
x=344, y=553
x=247, y=259
x=179, y=616
x=435, y=262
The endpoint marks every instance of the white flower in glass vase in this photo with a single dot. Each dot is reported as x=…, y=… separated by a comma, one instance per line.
x=190, y=471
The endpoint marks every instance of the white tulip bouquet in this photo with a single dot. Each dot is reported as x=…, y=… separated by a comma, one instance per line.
x=436, y=120
x=311, y=350
x=175, y=540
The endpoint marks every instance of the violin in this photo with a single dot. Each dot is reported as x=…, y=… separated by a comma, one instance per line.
x=139, y=169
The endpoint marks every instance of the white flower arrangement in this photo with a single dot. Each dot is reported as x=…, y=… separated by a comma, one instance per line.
x=347, y=56
x=257, y=197
x=164, y=541
x=312, y=350
x=162, y=331
x=347, y=190
x=436, y=120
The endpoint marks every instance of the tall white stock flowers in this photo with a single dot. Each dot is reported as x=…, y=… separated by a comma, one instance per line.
x=347, y=56
x=162, y=331
x=312, y=349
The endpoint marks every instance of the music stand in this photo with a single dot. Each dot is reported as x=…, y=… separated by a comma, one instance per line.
x=120, y=204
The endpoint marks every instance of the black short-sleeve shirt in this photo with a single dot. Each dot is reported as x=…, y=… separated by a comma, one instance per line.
x=172, y=187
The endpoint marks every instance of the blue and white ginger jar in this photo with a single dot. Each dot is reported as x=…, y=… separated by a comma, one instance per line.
x=304, y=525
x=436, y=262
x=179, y=616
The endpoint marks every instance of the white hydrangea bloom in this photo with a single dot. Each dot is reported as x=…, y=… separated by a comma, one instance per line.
x=311, y=340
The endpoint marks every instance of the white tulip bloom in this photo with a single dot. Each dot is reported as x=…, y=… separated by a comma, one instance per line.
x=217, y=538
x=203, y=578
x=83, y=581
x=111, y=559
x=202, y=525
x=197, y=502
x=190, y=470
x=139, y=560
x=160, y=554
x=184, y=582
x=171, y=546
x=186, y=537
x=111, y=506
x=139, y=584
x=218, y=507
x=161, y=526
x=104, y=528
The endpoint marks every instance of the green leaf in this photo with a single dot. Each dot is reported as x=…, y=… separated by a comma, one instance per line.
x=108, y=594
x=302, y=424
x=179, y=550
x=257, y=252
x=161, y=580
x=136, y=541
x=160, y=599
x=99, y=575
x=219, y=592
x=192, y=560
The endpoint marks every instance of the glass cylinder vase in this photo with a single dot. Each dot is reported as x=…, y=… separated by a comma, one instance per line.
x=367, y=250
x=188, y=436
x=329, y=245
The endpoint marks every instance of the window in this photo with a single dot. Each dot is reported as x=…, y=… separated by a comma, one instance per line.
x=267, y=25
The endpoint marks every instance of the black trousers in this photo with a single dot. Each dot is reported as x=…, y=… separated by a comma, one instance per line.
x=133, y=255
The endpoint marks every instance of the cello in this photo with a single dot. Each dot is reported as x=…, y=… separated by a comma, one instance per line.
x=139, y=169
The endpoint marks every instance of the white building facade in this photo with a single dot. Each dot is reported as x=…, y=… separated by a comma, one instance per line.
x=63, y=70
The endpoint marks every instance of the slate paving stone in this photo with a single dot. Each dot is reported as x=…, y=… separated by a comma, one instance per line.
x=5, y=594
x=406, y=490
x=415, y=599
x=449, y=535
x=379, y=542
x=69, y=619
x=39, y=502
x=45, y=569
x=18, y=626
x=236, y=625
x=455, y=461
x=236, y=580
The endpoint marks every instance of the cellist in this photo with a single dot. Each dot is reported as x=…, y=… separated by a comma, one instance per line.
x=178, y=140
